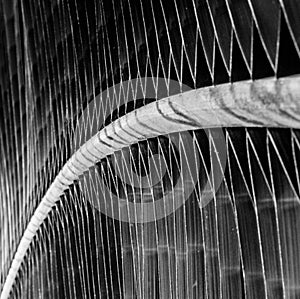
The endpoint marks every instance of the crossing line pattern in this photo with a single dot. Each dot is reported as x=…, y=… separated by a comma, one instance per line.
x=58, y=56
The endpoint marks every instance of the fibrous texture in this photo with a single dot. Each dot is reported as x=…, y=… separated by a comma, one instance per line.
x=133, y=106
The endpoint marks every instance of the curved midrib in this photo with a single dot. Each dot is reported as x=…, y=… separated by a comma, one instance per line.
x=266, y=102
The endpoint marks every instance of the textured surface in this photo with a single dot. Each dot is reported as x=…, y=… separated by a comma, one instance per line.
x=56, y=57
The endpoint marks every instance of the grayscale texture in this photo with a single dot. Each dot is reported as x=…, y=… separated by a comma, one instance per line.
x=112, y=112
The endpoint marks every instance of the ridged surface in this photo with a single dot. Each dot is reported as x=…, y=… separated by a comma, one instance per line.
x=56, y=56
